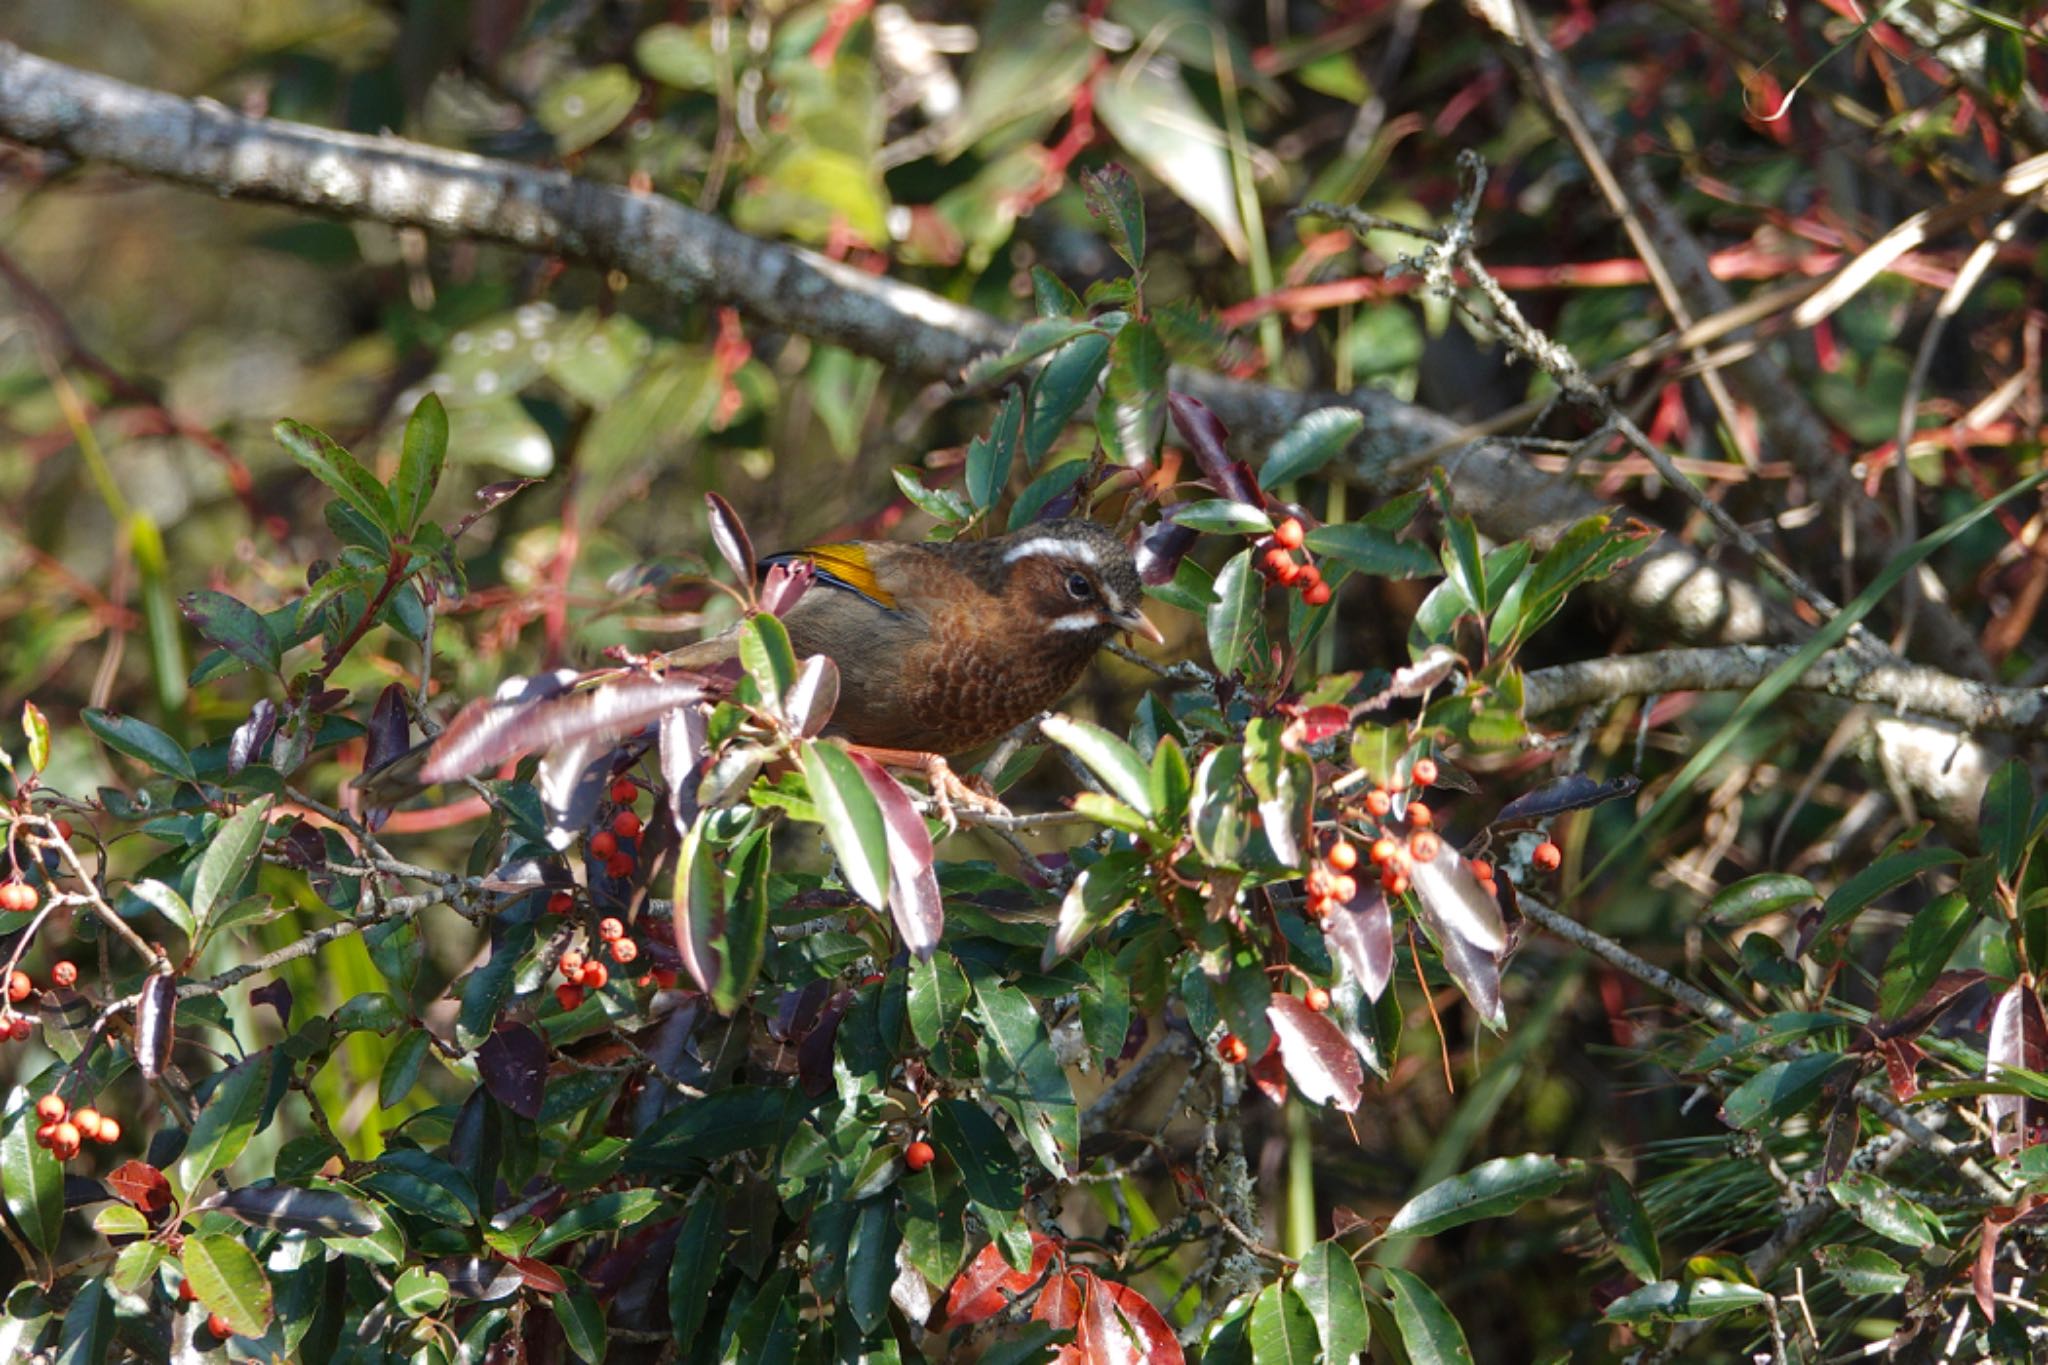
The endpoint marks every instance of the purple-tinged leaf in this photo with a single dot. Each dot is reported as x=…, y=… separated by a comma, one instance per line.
x=682, y=732
x=571, y=780
x=1206, y=437
x=153, y=1024
x=2018, y=1038
x=513, y=1062
x=278, y=996
x=785, y=583
x=1574, y=791
x=482, y=1278
x=1476, y=971
x=914, y=900
x=699, y=915
x=1319, y=1058
x=484, y=738
x=252, y=736
x=1451, y=896
x=323, y=1213
x=814, y=1054
x=852, y=819
x=488, y=499
x=730, y=536
x=812, y=696
x=1360, y=936
x=1113, y=200
x=390, y=728
x=1161, y=549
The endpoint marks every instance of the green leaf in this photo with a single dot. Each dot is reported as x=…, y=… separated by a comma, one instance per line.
x=228, y=860
x=87, y=1337
x=1042, y=490
x=1886, y=874
x=941, y=504
x=1486, y=1191
x=1113, y=199
x=1282, y=1332
x=225, y=1275
x=1370, y=550
x=1427, y=1329
x=1671, y=1301
x=871, y=1264
x=679, y=55
x=700, y=1254
x=989, y=457
x=402, y=1067
x=420, y=461
x=852, y=819
x=1235, y=618
x=1754, y=897
x=976, y=1147
x=1313, y=441
x=419, y=1291
x=225, y=1124
x=1923, y=952
x=1150, y=111
x=140, y=741
x=937, y=995
x=1061, y=386
x=2007, y=816
x=32, y=1178
x=1886, y=1212
x=585, y=106
x=1132, y=419
x=35, y=728
x=582, y=1321
x=1050, y=295
x=356, y=486
x=1862, y=1270
x=768, y=657
x=1107, y=756
x=1105, y=1005
x=1222, y=516
x=232, y=625
x=1779, y=1091
x=1021, y=1072
x=1327, y=1282
x=1033, y=340
x=603, y=1213
x=1627, y=1225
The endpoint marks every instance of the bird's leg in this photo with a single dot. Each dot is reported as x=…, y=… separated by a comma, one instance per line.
x=947, y=786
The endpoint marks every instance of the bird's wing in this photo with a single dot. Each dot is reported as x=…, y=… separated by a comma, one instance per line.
x=844, y=566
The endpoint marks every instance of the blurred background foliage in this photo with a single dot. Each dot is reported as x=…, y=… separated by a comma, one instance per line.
x=154, y=334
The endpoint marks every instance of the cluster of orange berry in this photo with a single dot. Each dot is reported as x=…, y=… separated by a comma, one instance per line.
x=1279, y=565
x=585, y=972
x=215, y=1323
x=64, y=1130
x=17, y=895
x=614, y=847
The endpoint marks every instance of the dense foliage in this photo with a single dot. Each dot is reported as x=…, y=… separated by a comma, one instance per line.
x=1384, y=967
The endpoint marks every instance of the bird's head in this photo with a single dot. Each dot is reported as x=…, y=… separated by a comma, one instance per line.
x=1073, y=579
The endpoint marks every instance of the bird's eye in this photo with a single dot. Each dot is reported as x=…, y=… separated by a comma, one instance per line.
x=1079, y=588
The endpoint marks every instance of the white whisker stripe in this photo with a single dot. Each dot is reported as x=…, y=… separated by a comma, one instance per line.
x=1080, y=620
x=1051, y=546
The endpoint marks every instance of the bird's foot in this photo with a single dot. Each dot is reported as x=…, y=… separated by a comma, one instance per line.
x=948, y=788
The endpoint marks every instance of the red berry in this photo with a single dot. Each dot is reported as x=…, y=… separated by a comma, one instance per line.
x=619, y=865
x=219, y=1326
x=87, y=1122
x=65, y=974
x=1344, y=890
x=19, y=1028
x=1317, y=999
x=626, y=825
x=1424, y=846
x=1342, y=856
x=603, y=844
x=1310, y=574
x=64, y=1141
x=568, y=996
x=1420, y=815
x=46, y=1133
x=1395, y=883
x=561, y=903
x=624, y=950
x=1490, y=887
x=64, y=829
x=595, y=976
x=186, y=1291
x=1316, y=594
x=624, y=792
x=919, y=1155
x=1383, y=851
x=1424, y=772
x=572, y=963
x=1289, y=533
x=1481, y=869
x=665, y=978
x=1232, y=1049
x=1547, y=857
x=1319, y=907
x=1378, y=803
x=52, y=1109
x=1281, y=565
x=19, y=987
x=110, y=1129
x=609, y=929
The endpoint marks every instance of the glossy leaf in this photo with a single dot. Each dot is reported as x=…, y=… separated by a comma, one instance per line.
x=32, y=1178
x=1320, y=1060
x=87, y=1336
x=228, y=860
x=421, y=457
x=1328, y=1284
x=1233, y=621
x=1313, y=440
x=1488, y=1190
x=343, y=474
x=1689, y=1301
x=233, y=626
x=1112, y=197
x=155, y=1022
x=1427, y=1330
x=1148, y=108
x=1282, y=1330
x=1888, y=873
x=914, y=901
x=699, y=916
x=1108, y=757
x=1779, y=1091
x=1450, y=894
x=1881, y=1208
x=1756, y=896
x=1022, y=1073
x=1360, y=937
x=852, y=819
x=225, y=1123
x=1919, y=957
x=229, y=1282
x=1061, y=386
x=140, y=741
x=1627, y=1225
x=1132, y=418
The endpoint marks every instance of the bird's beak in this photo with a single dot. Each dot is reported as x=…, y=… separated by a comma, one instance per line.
x=1135, y=622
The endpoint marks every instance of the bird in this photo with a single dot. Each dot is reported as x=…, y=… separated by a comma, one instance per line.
x=943, y=647
x=940, y=647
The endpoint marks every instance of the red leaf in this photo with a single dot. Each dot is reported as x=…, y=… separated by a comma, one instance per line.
x=1059, y=1303
x=2018, y=1038
x=142, y=1185
x=730, y=536
x=1269, y=1073
x=1360, y=936
x=539, y=1275
x=1902, y=1057
x=1319, y=1058
x=1118, y=1327
x=498, y=732
x=988, y=1284
x=1451, y=896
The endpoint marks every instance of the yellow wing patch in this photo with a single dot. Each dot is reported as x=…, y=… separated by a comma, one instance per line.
x=847, y=565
